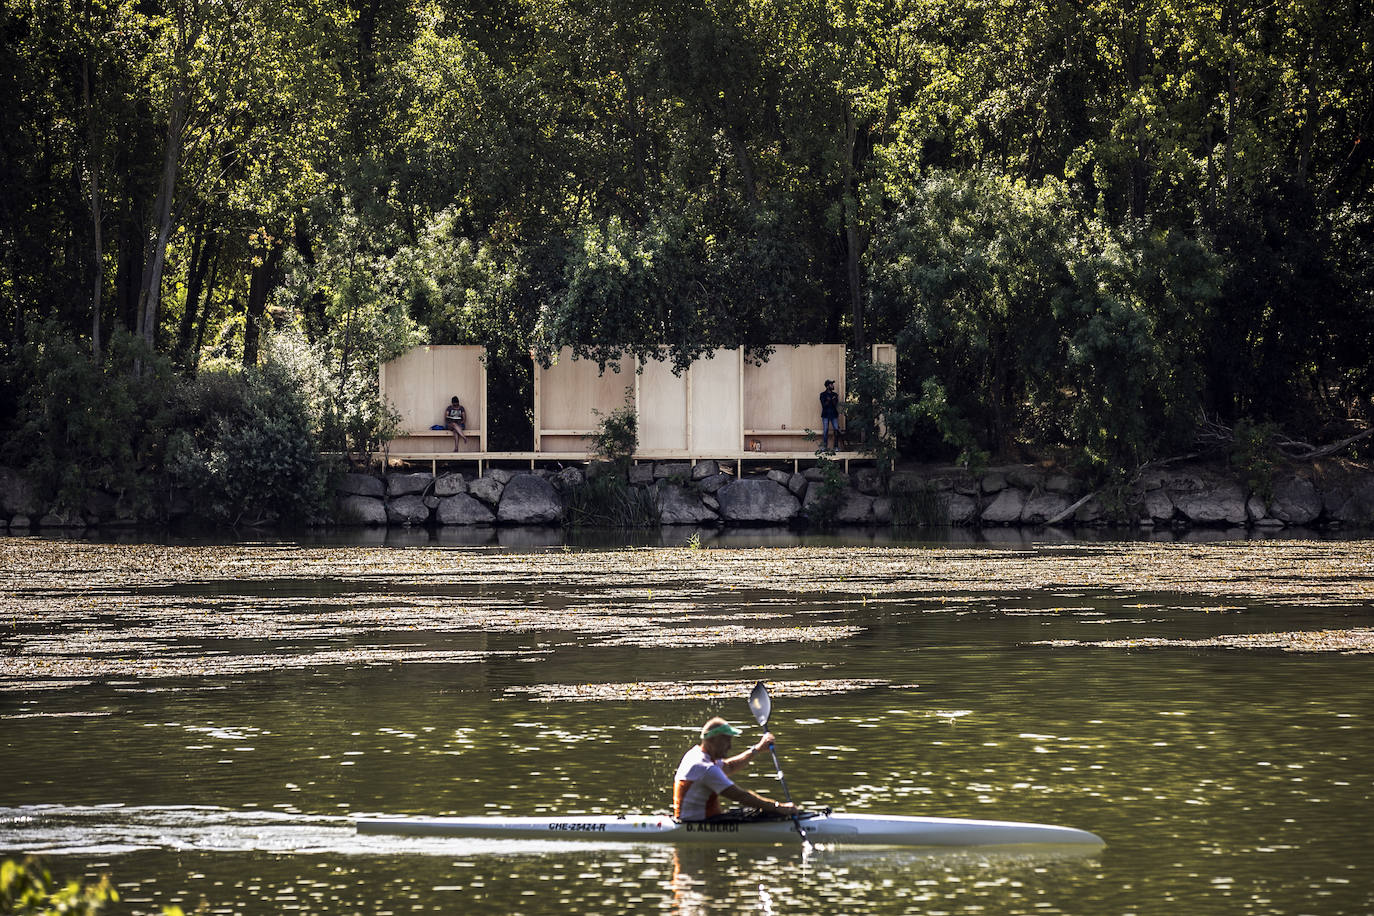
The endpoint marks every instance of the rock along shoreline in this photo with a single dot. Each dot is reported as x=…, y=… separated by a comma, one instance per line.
x=707, y=493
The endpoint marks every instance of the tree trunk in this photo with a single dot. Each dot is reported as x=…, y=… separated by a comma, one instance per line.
x=264, y=280
x=851, y=231
x=93, y=166
x=155, y=255
x=203, y=249
x=193, y=357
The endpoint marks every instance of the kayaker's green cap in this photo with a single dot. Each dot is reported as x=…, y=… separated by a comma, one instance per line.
x=718, y=727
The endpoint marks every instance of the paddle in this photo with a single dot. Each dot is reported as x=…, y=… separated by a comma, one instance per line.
x=761, y=706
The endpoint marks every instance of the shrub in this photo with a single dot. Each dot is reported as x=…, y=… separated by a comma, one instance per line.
x=82, y=426
x=822, y=510
x=608, y=501
x=617, y=435
x=27, y=887
x=247, y=451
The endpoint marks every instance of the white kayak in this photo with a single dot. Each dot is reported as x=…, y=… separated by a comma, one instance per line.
x=824, y=827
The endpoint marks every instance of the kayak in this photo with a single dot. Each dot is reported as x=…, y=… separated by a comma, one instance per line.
x=823, y=827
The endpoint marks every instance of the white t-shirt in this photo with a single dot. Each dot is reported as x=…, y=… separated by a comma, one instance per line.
x=698, y=783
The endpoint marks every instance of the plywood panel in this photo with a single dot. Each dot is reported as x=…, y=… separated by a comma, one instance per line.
x=571, y=390
x=716, y=418
x=419, y=384
x=662, y=408
x=784, y=393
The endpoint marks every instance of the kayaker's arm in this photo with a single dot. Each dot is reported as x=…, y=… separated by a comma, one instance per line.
x=745, y=797
x=740, y=760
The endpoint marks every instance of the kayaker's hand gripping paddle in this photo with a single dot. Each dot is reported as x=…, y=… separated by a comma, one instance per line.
x=761, y=706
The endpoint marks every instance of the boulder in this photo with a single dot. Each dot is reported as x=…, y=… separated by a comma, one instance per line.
x=757, y=501
x=407, y=510
x=1349, y=499
x=813, y=474
x=17, y=494
x=713, y=483
x=710, y=502
x=1061, y=483
x=642, y=474
x=462, y=509
x=963, y=510
x=851, y=506
x=1153, y=479
x=1221, y=502
x=1025, y=477
x=855, y=508
x=993, y=482
x=450, y=485
x=62, y=518
x=500, y=475
x=487, y=489
x=882, y=510
x=868, y=481
x=21, y=523
x=407, y=484
x=1090, y=513
x=430, y=500
x=360, y=485
x=706, y=468
x=1254, y=508
x=568, y=479
x=1040, y=509
x=680, y=470
x=1296, y=500
x=361, y=510
x=682, y=506
x=597, y=469
x=529, y=500
x=1156, y=505
x=781, y=477
x=1006, y=508
x=796, y=485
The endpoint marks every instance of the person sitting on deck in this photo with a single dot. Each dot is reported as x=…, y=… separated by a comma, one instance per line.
x=703, y=776
x=456, y=419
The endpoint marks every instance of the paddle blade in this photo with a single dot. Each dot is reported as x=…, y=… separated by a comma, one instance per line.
x=759, y=704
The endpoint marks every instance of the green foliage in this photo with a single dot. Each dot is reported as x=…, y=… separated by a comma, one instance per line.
x=955, y=430
x=82, y=426
x=822, y=509
x=1032, y=322
x=1255, y=456
x=607, y=500
x=247, y=451
x=617, y=434
x=877, y=414
x=28, y=889
x=1076, y=220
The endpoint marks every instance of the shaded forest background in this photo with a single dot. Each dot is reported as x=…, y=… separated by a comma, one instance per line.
x=1094, y=229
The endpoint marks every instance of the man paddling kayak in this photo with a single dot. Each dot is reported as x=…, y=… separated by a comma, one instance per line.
x=703, y=776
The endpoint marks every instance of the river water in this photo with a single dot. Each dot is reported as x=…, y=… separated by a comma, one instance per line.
x=202, y=721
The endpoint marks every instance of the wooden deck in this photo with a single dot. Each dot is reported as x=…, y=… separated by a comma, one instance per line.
x=482, y=459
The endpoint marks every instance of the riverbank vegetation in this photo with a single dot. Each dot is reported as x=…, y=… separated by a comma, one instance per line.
x=1087, y=227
